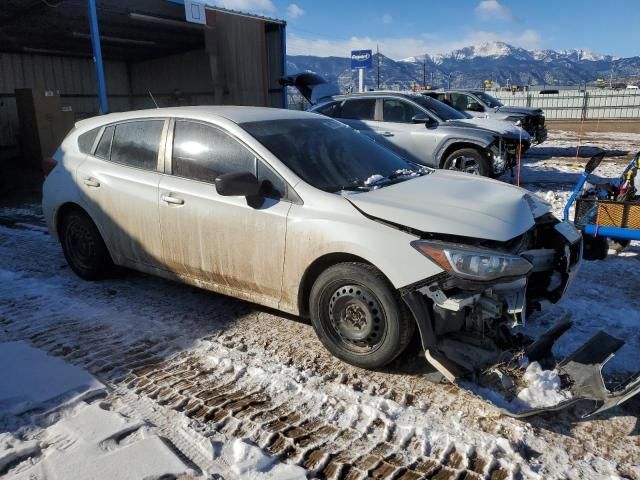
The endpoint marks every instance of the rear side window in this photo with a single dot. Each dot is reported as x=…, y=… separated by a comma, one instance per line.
x=85, y=141
x=104, y=146
x=136, y=144
x=359, y=109
x=330, y=110
x=202, y=152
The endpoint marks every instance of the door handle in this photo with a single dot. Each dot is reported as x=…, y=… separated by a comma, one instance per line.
x=172, y=200
x=91, y=182
x=387, y=134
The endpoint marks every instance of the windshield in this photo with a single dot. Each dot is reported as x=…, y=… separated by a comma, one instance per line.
x=439, y=109
x=331, y=156
x=488, y=99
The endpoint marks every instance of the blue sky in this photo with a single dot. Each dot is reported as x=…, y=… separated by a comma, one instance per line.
x=405, y=28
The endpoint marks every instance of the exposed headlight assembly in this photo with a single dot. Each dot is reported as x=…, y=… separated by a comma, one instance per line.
x=474, y=264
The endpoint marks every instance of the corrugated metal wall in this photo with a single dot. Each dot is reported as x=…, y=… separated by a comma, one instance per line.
x=240, y=65
x=73, y=77
x=183, y=79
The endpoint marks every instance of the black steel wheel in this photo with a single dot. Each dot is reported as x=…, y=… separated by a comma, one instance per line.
x=358, y=316
x=468, y=160
x=595, y=248
x=83, y=247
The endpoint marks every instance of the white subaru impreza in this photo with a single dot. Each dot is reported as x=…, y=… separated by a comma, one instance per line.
x=298, y=212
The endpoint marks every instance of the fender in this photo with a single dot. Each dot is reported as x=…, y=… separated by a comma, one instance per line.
x=463, y=141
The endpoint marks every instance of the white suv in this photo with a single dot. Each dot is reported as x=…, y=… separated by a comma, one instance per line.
x=298, y=212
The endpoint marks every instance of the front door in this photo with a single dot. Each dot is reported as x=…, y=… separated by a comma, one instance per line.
x=119, y=189
x=223, y=241
x=467, y=103
x=397, y=131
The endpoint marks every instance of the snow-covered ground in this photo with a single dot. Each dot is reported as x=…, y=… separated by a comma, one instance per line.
x=237, y=391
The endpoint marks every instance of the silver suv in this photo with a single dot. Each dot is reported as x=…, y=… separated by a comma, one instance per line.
x=478, y=103
x=419, y=128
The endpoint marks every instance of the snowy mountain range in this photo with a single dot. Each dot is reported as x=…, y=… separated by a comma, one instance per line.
x=470, y=66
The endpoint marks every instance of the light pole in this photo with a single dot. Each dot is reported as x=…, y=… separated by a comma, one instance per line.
x=449, y=82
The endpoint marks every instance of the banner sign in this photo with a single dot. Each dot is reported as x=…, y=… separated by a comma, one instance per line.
x=361, y=59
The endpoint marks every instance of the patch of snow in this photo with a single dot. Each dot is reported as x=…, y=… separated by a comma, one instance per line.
x=543, y=387
x=27, y=377
x=373, y=179
x=248, y=461
x=76, y=440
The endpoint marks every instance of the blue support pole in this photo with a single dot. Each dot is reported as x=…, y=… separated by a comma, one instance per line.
x=97, y=56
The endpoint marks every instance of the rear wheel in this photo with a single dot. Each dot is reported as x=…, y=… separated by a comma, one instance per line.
x=83, y=247
x=468, y=160
x=358, y=315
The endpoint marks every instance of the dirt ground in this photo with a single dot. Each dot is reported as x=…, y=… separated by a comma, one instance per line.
x=618, y=126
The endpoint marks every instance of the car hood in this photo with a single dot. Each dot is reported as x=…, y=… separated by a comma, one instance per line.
x=499, y=126
x=520, y=110
x=481, y=126
x=451, y=203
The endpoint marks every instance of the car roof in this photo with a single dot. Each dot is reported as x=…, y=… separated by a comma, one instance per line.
x=236, y=114
x=376, y=93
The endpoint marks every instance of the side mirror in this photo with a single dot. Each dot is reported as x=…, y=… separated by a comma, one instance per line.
x=594, y=162
x=238, y=184
x=421, y=118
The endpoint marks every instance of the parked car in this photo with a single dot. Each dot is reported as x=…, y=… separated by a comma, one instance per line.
x=480, y=104
x=299, y=212
x=418, y=128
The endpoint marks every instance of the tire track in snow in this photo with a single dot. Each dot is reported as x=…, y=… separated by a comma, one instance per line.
x=337, y=436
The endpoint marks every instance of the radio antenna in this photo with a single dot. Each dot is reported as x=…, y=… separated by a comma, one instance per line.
x=153, y=99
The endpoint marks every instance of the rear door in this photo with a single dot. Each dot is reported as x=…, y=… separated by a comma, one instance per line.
x=119, y=188
x=221, y=240
x=412, y=141
x=360, y=113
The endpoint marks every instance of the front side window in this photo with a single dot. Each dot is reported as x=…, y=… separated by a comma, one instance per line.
x=136, y=144
x=202, y=152
x=439, y=109
x=398, y=111
x=489, y=100
x=460, y=101
x=359, y=109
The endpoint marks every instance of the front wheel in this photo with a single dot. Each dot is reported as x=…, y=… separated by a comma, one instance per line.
x=468, y=160
x=358, y=315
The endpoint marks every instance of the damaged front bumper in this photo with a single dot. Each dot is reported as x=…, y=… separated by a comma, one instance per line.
x=465, y=329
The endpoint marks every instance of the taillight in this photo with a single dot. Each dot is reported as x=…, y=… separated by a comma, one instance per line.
x=48, y=164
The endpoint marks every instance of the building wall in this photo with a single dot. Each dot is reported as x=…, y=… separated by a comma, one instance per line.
x=183, y=79
x=74, y=78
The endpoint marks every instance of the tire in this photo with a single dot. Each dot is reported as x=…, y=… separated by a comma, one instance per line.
x=83, y=247
x=595, y=248
x=468, y=160
x=618, y=245
x=358, y=315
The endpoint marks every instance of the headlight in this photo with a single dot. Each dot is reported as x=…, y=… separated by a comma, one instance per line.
x=472, y=263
